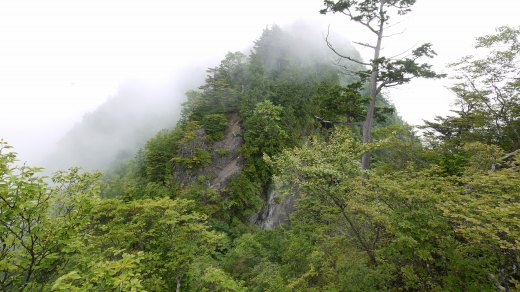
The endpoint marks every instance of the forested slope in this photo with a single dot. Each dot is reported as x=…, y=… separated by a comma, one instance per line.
x=116, y=129
x=186, y=212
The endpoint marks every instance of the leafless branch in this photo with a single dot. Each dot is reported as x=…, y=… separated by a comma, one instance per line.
x=322, y=120
x=353, y=123
x=340, y=54
x=392, y=25
x=402, y=53
x=365, y=45
x=349, y=71
x=394, y=34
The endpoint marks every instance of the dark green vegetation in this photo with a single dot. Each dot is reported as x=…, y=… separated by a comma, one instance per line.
x=183, y=214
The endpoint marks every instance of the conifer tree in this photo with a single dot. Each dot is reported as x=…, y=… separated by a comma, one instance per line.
x=381, y=72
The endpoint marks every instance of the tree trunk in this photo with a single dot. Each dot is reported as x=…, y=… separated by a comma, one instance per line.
x=178, y=279
x=369, y=120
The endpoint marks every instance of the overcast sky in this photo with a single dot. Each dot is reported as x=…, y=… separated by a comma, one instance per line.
x=62, y=58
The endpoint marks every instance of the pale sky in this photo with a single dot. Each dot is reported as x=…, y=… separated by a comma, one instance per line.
x=62, y=58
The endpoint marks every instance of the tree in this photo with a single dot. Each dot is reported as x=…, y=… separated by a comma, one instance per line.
x=119, y=274
x=426, y=231
x=169, y=233
x=488, y=93
x=487, y=109
x=223, y=85
x=382, y=72
x=326, y=172
x=485, y=213
x=38, y=222
x=264, y=134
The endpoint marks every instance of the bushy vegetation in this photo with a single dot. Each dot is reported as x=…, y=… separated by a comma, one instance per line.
x=441, y=213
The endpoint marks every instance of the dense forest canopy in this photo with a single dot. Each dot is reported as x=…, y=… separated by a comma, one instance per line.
x=260, y=187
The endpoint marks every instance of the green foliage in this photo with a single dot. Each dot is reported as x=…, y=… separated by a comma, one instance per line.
x=264, y=133
x=396, y=72
x=486, y=214
x=334, y=100
x=426, y=231
x=191, y=147
x=433, y=215
x=197, y=158
x=484, y=157
x=66, y=237
x=487, y=91
x=365, y=9
x=122, y=274
x=380, y=72
x=241, y=197
x=157, y=153
x=223, y=152
x=38, y=222
x=440, y=217
x=221, y=91
x=400, y=146
x=167, y=232
x=215, y=279
x=325, y=172
x=214, y=125
x=277, y=91
x=453, y=163
x=194, y=101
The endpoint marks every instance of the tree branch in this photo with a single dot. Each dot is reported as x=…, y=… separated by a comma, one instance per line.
x=339, y=54
x=402, y=53
x=365, y=45
x=496, y=282
x=364, y=23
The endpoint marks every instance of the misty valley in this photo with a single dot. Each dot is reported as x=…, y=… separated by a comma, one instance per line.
x=283, y=168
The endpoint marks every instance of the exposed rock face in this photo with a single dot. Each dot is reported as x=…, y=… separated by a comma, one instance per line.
x=277, y=208
x=227, y=162
x=276, y=211
x=225, y=158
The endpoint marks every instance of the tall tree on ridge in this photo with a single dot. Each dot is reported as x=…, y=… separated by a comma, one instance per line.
x=382, y=72
x=488, y=89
